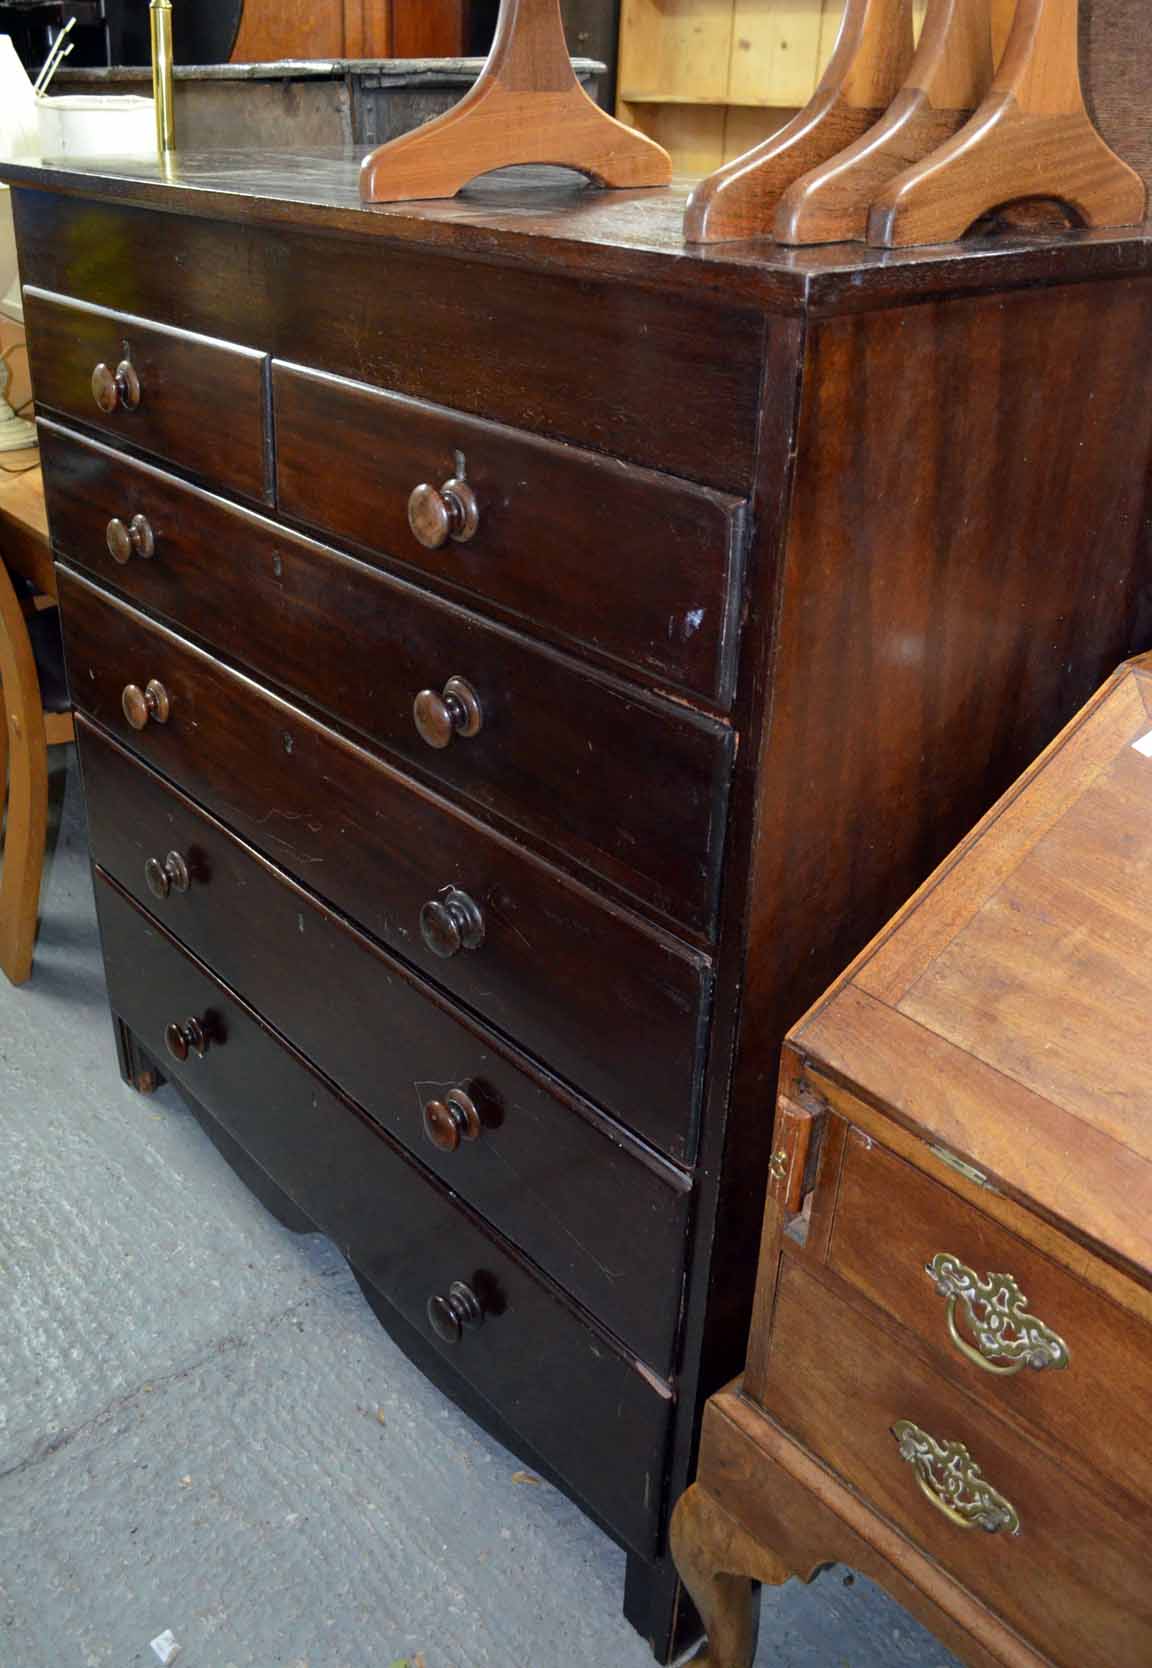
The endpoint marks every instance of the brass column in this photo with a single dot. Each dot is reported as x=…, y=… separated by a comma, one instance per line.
x=160, y=15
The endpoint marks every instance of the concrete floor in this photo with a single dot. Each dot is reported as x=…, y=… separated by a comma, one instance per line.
x=204, y=1430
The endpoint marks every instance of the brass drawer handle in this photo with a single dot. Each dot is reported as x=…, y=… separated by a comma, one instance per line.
x=135, y=539
x=1008, y=1338
x=449, y=1316
x=188, y=1036
x=437, y=516
x=949, y=1477
x=449, y=1121
x=454, y=712
x=451, y=922
x=142, y=704
x=116, y=390
x=171, y=875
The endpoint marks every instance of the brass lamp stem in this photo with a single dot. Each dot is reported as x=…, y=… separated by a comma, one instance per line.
x=160, y=17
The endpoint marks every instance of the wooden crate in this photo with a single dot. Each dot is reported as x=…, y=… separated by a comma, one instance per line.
x=708, y=79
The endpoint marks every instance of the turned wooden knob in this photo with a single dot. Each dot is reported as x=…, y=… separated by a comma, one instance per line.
x=449, y=1121
x=455, y=711
x=142, y=704
x=450, y=922
x=117, y=390
x=171, y=875
x=448, y=1316
x=435, y=516
x=184, y=1037
x=135, y=539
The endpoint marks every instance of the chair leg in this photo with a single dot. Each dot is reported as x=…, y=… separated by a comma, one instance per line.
x=26, y=824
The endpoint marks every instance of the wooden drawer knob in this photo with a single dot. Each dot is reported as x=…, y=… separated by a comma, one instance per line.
x=454, y=712
x=451, y=922
x=184, y=1037
x=449, y=1316
x=437, y=516
x=135, y=539
x=142, y=704
x=117, y=390
x=171, y=875
x=449, y=1121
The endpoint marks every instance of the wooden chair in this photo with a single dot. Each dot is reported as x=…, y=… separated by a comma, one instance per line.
x=36, y=715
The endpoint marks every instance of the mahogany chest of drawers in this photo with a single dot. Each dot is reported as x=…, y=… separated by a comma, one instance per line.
x=517, y=662
x=950, y=1373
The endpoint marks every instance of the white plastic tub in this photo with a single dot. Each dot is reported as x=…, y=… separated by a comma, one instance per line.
x=83, y=125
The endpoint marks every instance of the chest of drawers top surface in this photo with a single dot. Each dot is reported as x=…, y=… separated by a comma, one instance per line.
x=1003, y=1015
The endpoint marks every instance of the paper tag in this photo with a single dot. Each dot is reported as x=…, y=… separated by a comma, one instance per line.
x=1144, y=745
x=165, y=1646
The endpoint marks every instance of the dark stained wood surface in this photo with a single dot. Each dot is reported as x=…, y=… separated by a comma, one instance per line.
x=593, y=1208
x=640, y=567
x=613, y=1006
x=591, y=770
x=563, y=226
x=202, y=402
x=1073, y=1579
x=535, y=1356
x=992, y=521
x=683, y=397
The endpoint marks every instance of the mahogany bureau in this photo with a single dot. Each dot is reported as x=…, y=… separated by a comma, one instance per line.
x=518, y=661
x=949, y=1380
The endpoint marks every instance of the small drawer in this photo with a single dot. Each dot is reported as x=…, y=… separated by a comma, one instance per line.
x=611, y=1232
x=636, y=566
x=604, y=777
x=1094, y=1389
x=197, y=402
x=1074, y=1578
x=612, y=1005
x=519, y=1344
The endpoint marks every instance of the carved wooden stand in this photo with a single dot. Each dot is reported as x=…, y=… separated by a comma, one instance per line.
x=866, y=71
x=763, y=1510
x=526, y=107
x=1032, y=137
x=952, y=71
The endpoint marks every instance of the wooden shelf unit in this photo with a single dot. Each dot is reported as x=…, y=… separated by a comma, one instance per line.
x=708, y=79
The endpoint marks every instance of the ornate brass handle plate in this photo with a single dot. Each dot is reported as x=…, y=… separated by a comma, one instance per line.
x=1008, y=1338
x=953, y=1482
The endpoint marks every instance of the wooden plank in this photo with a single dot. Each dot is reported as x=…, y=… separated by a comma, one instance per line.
x=676, y=49
x=776, y=51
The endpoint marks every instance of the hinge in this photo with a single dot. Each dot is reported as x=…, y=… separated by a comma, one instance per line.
x=968, y=1171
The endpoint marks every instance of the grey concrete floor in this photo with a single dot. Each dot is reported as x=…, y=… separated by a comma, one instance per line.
x=204, y=1430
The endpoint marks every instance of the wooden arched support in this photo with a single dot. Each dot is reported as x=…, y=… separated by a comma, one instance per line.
x=720, y=1563
x=866, y=71
x=960, y=44
x=526, y=107
x=26, y=733
x=1031, y=138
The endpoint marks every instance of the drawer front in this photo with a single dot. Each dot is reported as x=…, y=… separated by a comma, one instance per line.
x=626, y=786
x=1097, y=1403
x=608, y=1003
x=1073, y=1581
x=200, y=403
x=667, y=381
x=587, y=1410
x=601, y=1215
x=641, y=568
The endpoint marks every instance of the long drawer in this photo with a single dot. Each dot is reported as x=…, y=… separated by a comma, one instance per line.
x=602, y=1215
x=199, y=403
x=1073, y=1580
x=610, y=1004
x=1078, y=1395
x=540, y=1362
x=636, y=565
x=607, y=778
